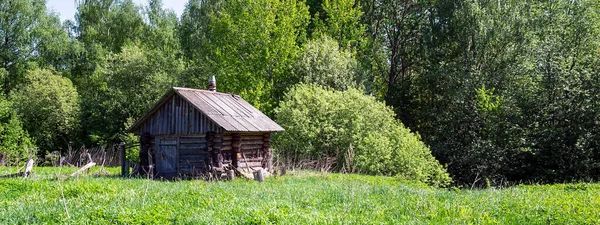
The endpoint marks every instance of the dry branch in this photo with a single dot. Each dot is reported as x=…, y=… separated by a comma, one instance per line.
x=84, y=168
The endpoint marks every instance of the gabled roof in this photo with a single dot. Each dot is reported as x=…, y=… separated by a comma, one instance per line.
x=229, y=111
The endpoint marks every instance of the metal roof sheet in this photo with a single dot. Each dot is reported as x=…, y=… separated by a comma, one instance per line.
x=229, y=111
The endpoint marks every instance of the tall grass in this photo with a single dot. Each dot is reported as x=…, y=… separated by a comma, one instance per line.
x=299, y=197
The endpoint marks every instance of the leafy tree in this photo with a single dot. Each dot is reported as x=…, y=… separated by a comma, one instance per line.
x=194, y=28
x=250, y=46
x=565, y=85
x=395, y=30
x=28, y=33
x=48, y=105
x=320, y=122
x=496, y=84
x=161, y=31
x=342, y=22
x=123, y=44
x=102, y=27
x=323, y=63
x=15, y=144
x=150, y=71
x=108, y=23
x=119, y=101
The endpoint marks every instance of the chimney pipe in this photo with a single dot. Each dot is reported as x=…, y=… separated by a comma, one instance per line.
x=212, y=84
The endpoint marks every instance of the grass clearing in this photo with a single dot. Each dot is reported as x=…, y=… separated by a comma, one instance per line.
x=300, y=197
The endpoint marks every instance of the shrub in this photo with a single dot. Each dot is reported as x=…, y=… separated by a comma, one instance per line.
x=48, y=105
x=15, y=144
x=321, y=122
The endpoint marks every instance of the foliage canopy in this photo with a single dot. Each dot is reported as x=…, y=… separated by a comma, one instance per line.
x=323, y=63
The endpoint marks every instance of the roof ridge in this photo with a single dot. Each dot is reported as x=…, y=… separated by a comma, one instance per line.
x=203, y=91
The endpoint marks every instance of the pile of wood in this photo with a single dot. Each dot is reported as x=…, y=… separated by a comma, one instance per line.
x=230, y=172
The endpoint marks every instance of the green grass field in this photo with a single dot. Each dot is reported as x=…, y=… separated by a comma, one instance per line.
x=299, y=197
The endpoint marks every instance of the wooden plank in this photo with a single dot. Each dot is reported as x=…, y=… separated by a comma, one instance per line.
x=177, y=149
x=169, y=142
x=190, y=146
x=197, y=144
x=198, y=167
x=190, y=166
x=193, y=153
x=198, y=160
x=231, y=103
x=193, y=121
x=186, y=150
x=240, y=103
x=222, y=106
x=253, y=142
x=192, y=157
x=186, y=118
x=257, y=159
x=196, y=99
x=250, y=164
x=201, y=136
x=252, y=137
x=242, y=123
x=196, y=156
x=178, y=109
x=192, y=140
x=218, y=145
x=84, y=168
x=249, y=147
x=252, y=122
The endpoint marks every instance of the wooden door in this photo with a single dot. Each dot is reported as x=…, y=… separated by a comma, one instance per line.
x=167, y=159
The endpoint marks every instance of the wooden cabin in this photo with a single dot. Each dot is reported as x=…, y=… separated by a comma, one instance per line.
x=189, y=132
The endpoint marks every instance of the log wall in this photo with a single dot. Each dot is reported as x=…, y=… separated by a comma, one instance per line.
x=246, y=150
x=197, y=152
x=193, y=155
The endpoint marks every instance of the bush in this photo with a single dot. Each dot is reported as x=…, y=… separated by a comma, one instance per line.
x=360, y=132
x=48, y=105
x=15, y=144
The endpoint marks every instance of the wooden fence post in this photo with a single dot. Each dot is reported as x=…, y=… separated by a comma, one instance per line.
x=124, y=162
